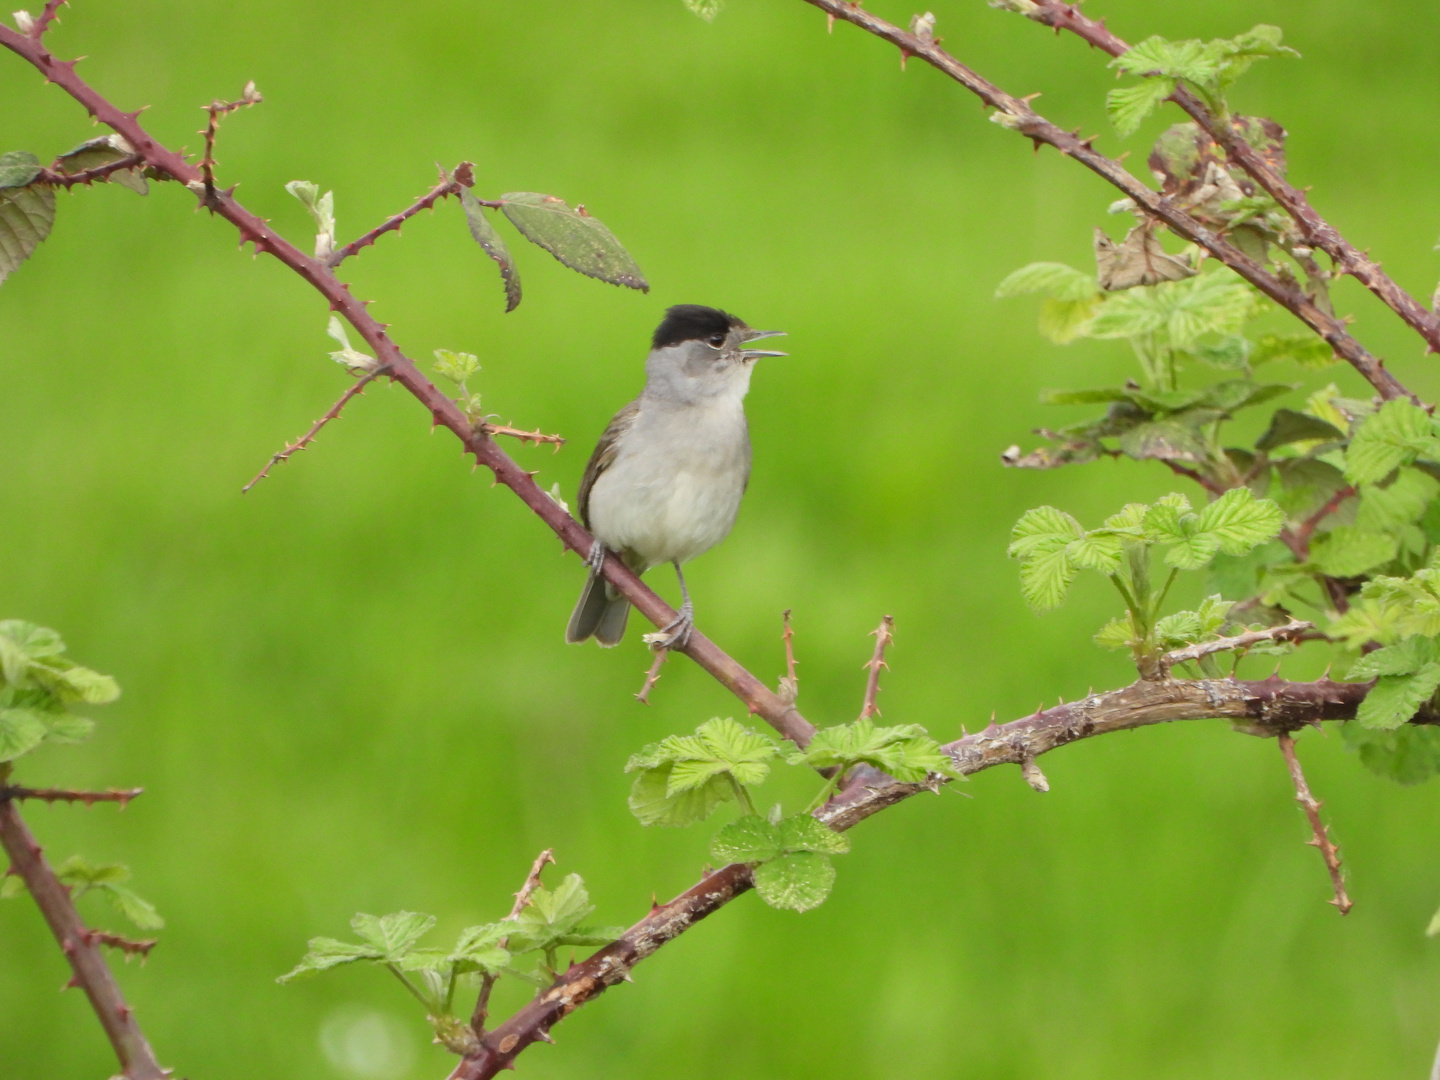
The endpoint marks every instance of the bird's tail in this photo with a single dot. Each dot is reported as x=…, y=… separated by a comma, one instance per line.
x=600, y=612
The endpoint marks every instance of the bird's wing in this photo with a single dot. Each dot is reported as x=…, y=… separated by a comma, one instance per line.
x=604, y=454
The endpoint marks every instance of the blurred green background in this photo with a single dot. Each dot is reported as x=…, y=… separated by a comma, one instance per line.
x=348, y=689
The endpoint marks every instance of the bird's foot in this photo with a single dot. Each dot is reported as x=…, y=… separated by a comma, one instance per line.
x=596, y=559
x=676, y=633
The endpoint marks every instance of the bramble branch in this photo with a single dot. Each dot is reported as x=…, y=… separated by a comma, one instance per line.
x=463, y=177
x=487, y=981
x=216, y=110
x=535, y=436
x=1314, y=229
x=884, y=634
x=653, y=675
x=125, y=945
x=89, y=798
x=309, y=437
x=1267, y=707
x=80, y=946
x=781, y=715
x=1290, y=631
x=1322, y=840
x=56, y=177
x=1017, y=114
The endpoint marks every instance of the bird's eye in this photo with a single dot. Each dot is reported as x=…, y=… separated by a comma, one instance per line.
x=716, y=340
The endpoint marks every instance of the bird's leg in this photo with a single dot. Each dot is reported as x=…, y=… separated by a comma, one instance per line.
x=676, y=633
x=596, y=559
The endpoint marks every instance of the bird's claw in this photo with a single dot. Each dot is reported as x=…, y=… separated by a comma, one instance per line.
x=676, y=633
x=596, y=559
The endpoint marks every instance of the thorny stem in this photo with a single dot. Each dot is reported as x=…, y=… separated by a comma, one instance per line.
x=780, y=714
x=55, y=177
x=309, y=437
x=1307, y=527
x=1019, y=116
x=653, y=675
x=463, y=177
x=89, y=798
x=80, y=946
x=1314, y=229
x=1290, y=631
x=1322, y=840
x=487, y=981
x=884, y=635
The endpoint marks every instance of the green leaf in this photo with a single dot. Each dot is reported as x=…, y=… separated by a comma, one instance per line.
x=486, y=236
x=476, y=950
x=1100, y=550
x=905, y=752
x=322, y=209
x=1192, y=60
x=1118, y=633
x=1184, y=311
x=1231, y=353
x=1405, y=658
x=748, y=839
x=651, y=801
x=1394, y=436
x=796, y=882
x=79, y=684
x=1062, y=321
x=1288, y=426
x=575, y=238
x=18, y=169
x=1163, y=440
x=11, y=886
x=1043, y=530
x=1240, y=521
x=1400, y=503
x=1348, y=550
x=803, y=833
x=93, y=153
x=457, y=367
x=353, y=359
x=1396, y=698
x=1407, y=755
x=1308, y=351
x=1046, y=578
x=1082, y=397
x=1057, y=280
x=138, y=910
x=326, y=953
x=21, y=730
x=706, y=9
x=551, y=915
x=392, y=935
x=1128, y=106
x=26, y=217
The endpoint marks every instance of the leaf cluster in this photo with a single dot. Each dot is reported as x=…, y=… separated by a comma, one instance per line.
x=106, y=879
x=39, y=686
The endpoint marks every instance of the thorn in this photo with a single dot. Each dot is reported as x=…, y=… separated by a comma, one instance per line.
x=544, y=1036
x=72, y=983
x=830, y=23
x=1033, y=776
x=625, y=976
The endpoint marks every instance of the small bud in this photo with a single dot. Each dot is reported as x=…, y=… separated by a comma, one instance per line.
x=923, y=26
x=251, y=96
x=24, y=22
x=1024, y=7
x=1005, y=119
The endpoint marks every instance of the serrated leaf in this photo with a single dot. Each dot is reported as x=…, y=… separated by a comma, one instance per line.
x=1163, y=440
x=1308, y=351
x=551, y=915
x=1400, y=503
x=138, y=910
x=1216, y=302
x=79, y=684
x=21, y=730
x=803, y=833
x=1100, y=550
x=1058, y=281
x=1394, y=436
x=1348, y=551
x=1137, y=260
x=1128, y=106
x=1408, y=754
x=1231, y=353
x=1192, y=60
x=1288, y=426
x=455, y=366
x=905, y=751
x=1406, y=658
x=651, y=801
x=1239, y=521
x=1118, y=633
x=575, y=238
x=1083, y=397
x=486, y=236
x=326, y=953
x=1062, y=321
x=393, y=935
x=1232, y=395
x=796, y=882
x=1396, y=698
x=748, y=839
x=1045, y=578
x=588, y=936
x=68, y=728
x=26, y=217
x=1043, y=529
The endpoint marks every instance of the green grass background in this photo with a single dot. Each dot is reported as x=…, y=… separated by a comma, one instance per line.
x=348, y=689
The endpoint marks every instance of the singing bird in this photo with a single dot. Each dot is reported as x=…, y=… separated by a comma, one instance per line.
x=665, y=480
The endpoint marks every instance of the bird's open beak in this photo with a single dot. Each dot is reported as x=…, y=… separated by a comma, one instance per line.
x=756, y=335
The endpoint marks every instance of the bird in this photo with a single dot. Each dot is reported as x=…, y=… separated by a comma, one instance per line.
x=665, y=481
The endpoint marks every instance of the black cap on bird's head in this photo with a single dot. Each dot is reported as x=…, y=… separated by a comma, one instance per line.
x=696, y=322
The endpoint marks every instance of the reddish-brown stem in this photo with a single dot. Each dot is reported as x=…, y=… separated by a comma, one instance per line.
x=89, y=798
x=80, y=946
x=1018, y=115
x=790, y=682
x=1321, y=839
x=56, y=177
x=49, y=15
x=758, y=698
x=1306, y=529
x=884, y=634
x=1190, y=474
x=309, y=437
x=123, y=944
x=1314, y=229
x=487, y=982
x=461, y=178
x=652, y=676
x=1266, y=707
x=216, y=110
x=524, y=436
x=1291, y=631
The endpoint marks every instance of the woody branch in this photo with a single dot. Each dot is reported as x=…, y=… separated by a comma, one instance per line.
x=1314, y=229
x=1017, y=114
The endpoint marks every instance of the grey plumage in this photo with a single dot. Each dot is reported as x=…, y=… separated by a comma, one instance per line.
x=665, y=481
